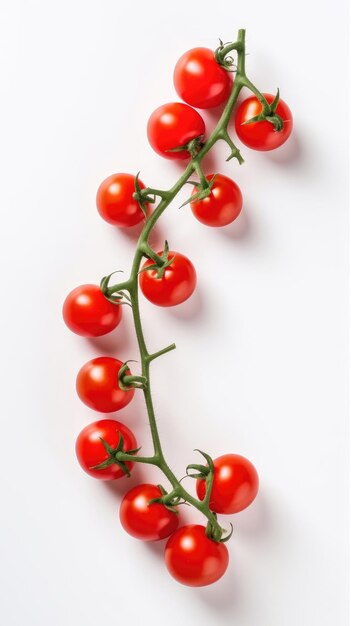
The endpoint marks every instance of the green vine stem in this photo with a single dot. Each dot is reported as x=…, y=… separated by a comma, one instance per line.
x=143, y=249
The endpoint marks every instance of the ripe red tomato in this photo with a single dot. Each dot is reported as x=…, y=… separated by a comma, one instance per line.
x=149, y=522
x=115, y=202
x=87, y=312
x=262, y=135
x=91, y=452
x=193, y=559
x=200, y=80
x=222, y=206
x=97, y=385
x=176, y=285
x=235, y=484
x=174, y=125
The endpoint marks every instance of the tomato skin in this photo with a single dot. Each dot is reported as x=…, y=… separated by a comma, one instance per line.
x=235, y=484
x=176, y=285
x=193, y=559
x=261, y=135
x=90, y=450
x=149, y=522
x=115, y=202
x=97, y=385
x=173, y=125
x=200, y=81
x=222, y=206
x=88, y=313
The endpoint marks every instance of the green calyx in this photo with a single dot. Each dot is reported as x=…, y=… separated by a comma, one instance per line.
x=218, y=534
x=115, y=296
x=113, y=455
x=204, y=186
x=223, y=58
x=147, y=195
x=203, y=471
x=193, y=147
x=130, y=381
x=142, y=196
x=161, y=261
x=269, y=115
x=168, y=500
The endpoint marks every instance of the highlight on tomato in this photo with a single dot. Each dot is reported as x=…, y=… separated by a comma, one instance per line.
x=235, y=484
x=222, y=206
x=115, y=202
x=200, y=81
x=95, y=446
x=262, y=135
x=97, y=385
x=176, y=285
x=194, y=559
x=145, y=520
x=88, y=313
x=171, y=127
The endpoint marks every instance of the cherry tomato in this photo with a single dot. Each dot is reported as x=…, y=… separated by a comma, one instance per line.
x=262, y=135
x=97, y=385
x=115, y=202
x=149, y=522
x=174, y=125
x=235, y=484
x=87, y=312
x=200, y=80
x=193, y=559
x=222, y=206
x=90, y=450
x=176, y=285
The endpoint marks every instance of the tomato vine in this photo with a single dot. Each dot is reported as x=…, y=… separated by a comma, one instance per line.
x=138, y=197
x=143, y=249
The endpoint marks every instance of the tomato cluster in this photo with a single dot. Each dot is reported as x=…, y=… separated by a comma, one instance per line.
x=167, y=278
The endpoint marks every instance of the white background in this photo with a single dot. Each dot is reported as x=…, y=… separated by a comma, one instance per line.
x=261, y=364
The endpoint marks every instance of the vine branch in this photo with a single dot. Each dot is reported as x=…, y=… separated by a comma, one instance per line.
x=143, y=249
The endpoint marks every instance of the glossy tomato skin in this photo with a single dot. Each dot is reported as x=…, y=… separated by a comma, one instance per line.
x=176, y=285
x=149, y=522
x=200, y=81
x=115, y=202
x=174, y=125
x=90, y=450
x=235, y=484
x=261, y=135
x=88, y=313
x=193, y=559
x=97, y=385
x=222, y=206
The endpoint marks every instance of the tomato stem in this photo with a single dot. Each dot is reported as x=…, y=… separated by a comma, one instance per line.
x=202, y=178
x=144, y=249
x=155, y=355
x=151, y=254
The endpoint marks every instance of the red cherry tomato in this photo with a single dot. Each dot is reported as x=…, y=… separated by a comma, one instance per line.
x=262, y=135
x=176, y=285
x=222, y=206
x=200, y=80
x=174, y=125
x=115, y=202
x=193, y=559
x=235, y=484
x=149, y=522
x=91, y=452
x=87, y=312
x=97, y=385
